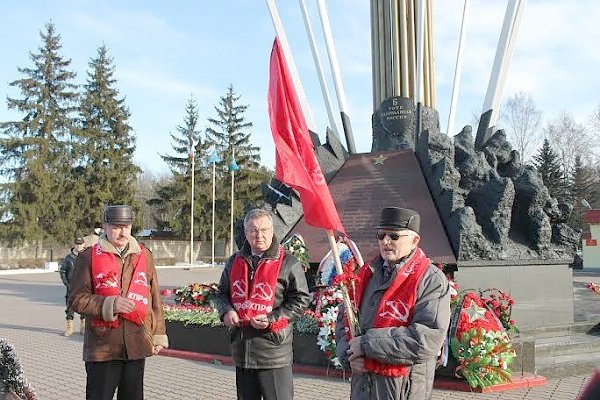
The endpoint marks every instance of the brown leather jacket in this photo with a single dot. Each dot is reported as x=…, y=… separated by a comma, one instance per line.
x=129, y=341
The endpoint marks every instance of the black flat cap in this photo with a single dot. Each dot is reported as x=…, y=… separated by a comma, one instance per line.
x=118, y=215
x=399, y=218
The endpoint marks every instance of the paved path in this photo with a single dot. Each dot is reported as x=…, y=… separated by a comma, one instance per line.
x=32, y=319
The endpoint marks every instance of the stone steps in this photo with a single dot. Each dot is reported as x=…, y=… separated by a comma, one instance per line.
x=574, y=350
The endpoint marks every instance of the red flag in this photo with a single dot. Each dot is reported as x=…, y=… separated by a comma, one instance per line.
x=295, y=161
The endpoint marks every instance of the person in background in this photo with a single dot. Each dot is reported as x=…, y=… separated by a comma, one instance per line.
x=403, y=305
x=66, y=272
x=262, y=291
x=116, y=286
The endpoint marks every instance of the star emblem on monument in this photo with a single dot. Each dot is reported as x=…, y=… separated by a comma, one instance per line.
x=379, y=159
x=475, y=312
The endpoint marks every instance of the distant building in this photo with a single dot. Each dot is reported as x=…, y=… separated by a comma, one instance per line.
x=589, y=240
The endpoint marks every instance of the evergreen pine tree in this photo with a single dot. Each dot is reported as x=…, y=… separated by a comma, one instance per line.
x=35, y=151
x=105, y=143
x=581, y=187
x=173, y=201
x=547, y=163
x=227, y=133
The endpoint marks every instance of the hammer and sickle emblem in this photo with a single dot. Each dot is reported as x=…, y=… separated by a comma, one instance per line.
x=263, y=291
x=394, y=312
x=141, y=279
x=239, y=289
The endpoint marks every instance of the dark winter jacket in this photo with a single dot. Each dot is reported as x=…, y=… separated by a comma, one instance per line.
x=263, y=349
x=66, y=268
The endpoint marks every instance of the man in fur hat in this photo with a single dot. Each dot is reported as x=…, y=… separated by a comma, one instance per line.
x=116, y=286
x=403, y=311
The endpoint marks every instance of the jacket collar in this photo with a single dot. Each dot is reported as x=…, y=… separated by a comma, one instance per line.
x=271, y=252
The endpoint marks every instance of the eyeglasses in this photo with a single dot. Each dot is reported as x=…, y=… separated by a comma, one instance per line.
x=392, y=235
x=256, y=232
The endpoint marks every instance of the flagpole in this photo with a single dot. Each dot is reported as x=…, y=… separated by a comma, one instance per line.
x=232, y=167
x=319, y=66
x=192, y=155
x=337, y=80
x=457, y=70
x=291, y=65
x=213, y=212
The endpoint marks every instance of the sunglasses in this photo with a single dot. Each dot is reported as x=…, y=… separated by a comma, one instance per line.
x=393, y=236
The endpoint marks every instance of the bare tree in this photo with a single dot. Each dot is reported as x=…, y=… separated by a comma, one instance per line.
x=522, y=120
x=570, y=139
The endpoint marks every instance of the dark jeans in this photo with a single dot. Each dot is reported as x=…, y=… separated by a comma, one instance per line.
x=267, y=384
x=103, y=378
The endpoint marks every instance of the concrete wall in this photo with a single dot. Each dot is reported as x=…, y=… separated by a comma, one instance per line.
x=30, y=255
x=591, y=248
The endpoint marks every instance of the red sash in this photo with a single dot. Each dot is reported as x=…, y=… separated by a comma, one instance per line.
x=396, y=306
x=257, y=296
x=106, y=278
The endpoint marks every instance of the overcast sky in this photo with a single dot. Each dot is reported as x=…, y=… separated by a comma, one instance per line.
x=166, y=51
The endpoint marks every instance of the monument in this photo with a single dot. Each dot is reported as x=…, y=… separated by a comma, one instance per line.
x=485, y=215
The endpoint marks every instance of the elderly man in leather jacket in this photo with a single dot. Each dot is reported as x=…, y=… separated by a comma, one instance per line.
x=262, y=290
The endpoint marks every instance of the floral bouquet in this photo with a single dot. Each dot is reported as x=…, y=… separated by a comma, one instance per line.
x=479, y=343
x=192, y=315
x=327, y=310
x=296, y=246
x=197, y=294
x=501, y=305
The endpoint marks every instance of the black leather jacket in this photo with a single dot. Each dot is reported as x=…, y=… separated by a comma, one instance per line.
x=263, y=349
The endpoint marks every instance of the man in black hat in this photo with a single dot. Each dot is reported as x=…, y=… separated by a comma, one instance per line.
x=66, y=272
x=403, y=312
x=116, y=286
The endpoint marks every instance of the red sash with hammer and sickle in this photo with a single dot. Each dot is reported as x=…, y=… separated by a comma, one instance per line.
x=251, y=298
x=396, y=306
x=106, y=278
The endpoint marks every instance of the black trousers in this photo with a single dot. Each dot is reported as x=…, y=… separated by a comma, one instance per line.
x=104, y=377
x=267, y=384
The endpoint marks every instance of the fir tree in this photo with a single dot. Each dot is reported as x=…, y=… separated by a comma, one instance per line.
x=228, y=134
x=105, y=143
x=173, y=200
x=581, y=187
x=34, y=151
x=547, y=163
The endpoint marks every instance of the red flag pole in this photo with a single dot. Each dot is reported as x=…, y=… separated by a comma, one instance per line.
x=350, y=313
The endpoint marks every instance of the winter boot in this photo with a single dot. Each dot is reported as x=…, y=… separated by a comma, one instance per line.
x=82, y=327
x=69, y=328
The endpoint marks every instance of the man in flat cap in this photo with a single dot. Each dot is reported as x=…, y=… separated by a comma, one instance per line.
x=116, y=286
x=403, y=311
x=66, y=273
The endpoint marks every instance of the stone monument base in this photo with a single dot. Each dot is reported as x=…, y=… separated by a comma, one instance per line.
x=543, y=293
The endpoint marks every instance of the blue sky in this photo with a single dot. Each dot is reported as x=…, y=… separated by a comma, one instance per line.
x=166, y=51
